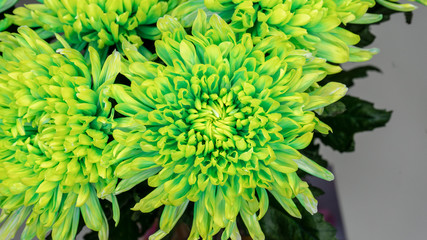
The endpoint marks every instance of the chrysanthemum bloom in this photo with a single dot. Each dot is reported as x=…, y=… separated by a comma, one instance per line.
x=312, y=25
x=55, y=120
x=220, y=125
x=101, y=23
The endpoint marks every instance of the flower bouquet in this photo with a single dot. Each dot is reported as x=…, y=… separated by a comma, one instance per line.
x=160, y=114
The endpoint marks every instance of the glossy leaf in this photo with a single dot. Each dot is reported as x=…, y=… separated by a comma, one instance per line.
x=359, y=116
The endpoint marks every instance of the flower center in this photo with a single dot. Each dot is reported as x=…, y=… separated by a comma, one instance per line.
x=214, y=120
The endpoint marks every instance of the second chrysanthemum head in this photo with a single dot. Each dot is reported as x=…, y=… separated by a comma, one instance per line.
x=55, y=120
x=314, y=25
x=220, y=125
x=98, y=23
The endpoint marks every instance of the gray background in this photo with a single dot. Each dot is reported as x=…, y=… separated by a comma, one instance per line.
x=382, y=185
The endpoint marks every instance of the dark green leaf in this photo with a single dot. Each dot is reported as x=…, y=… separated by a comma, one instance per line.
x=278, y=225
x=347, y=77
x=359, y=116
x=334, y=109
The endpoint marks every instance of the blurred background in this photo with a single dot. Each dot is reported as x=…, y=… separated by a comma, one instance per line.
x=382, y=185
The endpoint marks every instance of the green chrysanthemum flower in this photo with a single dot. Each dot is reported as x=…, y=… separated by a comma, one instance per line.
x=55, y=121
x=101, y=23
x=312, y=25
x=220, y=125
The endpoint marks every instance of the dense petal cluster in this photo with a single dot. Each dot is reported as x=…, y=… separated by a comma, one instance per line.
x=313, y=25
x=55, y=121
x=100, y=22
x=220, y=125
